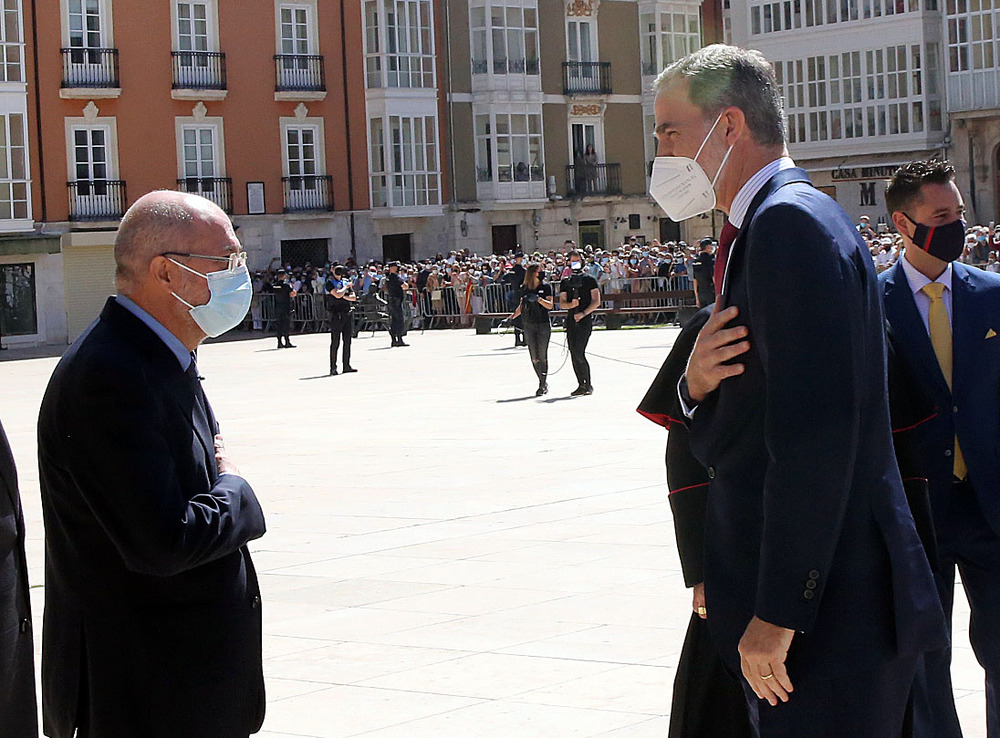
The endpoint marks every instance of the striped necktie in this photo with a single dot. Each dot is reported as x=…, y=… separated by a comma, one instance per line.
x=940, y=330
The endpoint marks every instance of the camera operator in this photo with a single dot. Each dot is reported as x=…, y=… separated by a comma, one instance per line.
x=395, y=289
x=340, y=299
x=580, y=295
x=533, y=309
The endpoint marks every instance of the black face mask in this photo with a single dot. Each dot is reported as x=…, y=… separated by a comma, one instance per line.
x=944, y=242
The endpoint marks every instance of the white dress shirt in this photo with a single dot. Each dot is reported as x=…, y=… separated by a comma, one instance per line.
x=917, y=283
x=737, y=214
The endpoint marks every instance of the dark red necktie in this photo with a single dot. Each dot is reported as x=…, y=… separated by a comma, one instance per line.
x=726, y=239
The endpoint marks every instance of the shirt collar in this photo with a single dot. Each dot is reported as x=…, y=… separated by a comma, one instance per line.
x=918, y=281
x=172, y=342
x=741, y=203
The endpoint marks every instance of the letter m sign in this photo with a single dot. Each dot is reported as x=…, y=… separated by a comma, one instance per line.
x=867, y=194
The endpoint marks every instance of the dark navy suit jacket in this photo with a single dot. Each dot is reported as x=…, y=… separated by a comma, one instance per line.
x=972, y=409
x=152, y=622
x=807, y=523
x=17, y=656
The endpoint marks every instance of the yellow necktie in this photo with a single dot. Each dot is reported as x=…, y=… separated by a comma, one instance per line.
x=940, y=329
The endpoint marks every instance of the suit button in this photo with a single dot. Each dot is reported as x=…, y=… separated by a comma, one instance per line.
x=811, y=584
x=256, y=601
x=954, y=409
x=814, y=574
x=808, y=594
x=947, y=452
x=25, y=625
x=711, y=472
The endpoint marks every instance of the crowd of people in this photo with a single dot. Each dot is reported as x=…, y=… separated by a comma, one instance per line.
x=622, y=268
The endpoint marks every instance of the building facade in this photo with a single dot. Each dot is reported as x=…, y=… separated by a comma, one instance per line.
x=863, y=83
x=262, y=112
x=550, y=118
x=972, y=80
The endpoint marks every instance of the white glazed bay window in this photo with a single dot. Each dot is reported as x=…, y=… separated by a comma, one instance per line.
x=404, y=161
x=509, y=147
x=399, y=43
x=504, y=38
x=669, y=32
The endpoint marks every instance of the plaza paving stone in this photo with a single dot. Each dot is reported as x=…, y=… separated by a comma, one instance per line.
x=447, y=555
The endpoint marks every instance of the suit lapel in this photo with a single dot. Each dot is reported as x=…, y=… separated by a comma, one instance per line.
x=968, y=331
x=901, y=310
x=7, y=470
x=738, y=249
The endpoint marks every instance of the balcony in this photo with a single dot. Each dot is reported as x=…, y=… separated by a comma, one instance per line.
x=299, y=77
x=586, y=78
x=308, y=192
x=90, y=73
x=217, y=189
x=198, y=75
x=593, y=179
x=96, y=199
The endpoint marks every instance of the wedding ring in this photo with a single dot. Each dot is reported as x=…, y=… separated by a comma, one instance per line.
x=769, y=676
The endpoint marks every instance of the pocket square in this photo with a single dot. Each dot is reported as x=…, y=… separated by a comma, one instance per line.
x=991, y=333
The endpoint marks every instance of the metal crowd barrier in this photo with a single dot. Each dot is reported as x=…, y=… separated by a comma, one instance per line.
x=455, y=307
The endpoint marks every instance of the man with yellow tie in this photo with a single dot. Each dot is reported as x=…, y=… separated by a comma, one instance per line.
x=943, y=318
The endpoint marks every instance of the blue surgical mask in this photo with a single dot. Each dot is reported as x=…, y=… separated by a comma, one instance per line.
x=229, y=299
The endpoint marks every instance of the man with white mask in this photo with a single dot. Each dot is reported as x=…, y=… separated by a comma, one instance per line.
x=152, y=609
x=817, y=591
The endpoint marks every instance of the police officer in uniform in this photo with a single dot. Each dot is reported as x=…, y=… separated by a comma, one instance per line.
x=580, y=295
x=395, y=289
x=340, y=299
x=514, y=279
x=703, y=271
x=283, y=294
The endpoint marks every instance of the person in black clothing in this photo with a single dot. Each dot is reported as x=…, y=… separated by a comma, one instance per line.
x=580, y=295
x=340, y=299
x=533, y=310
x=395, y=289
x=703, y=272
x=513, y=280
x=283, y=294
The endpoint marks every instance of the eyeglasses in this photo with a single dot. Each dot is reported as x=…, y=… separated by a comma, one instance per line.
x=236, y=260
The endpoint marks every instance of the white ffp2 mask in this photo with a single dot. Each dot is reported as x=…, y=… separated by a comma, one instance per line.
x=681, y=187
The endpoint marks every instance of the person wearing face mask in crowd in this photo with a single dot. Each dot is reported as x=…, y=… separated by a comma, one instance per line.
x=945, y=319
x=817, y=589
x=580, y=295
x=152, y=608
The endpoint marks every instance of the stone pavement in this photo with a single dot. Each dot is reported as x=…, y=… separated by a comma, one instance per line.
x=447, y=555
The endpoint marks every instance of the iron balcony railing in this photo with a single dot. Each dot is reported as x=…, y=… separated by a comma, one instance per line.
x=586, y=78
x=650, y=68
x=299, y=73
x=480, y=66
x=96, y=199
x=217, y=189
x=94, y=68
x=199, y=70
x=306, y=192
x=593, y=179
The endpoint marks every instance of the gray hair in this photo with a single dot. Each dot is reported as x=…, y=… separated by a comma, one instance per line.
x=156, y=222
x=722, y=76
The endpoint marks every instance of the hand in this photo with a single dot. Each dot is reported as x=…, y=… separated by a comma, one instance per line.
x=222, y=458
x=763, y=649
x=715, y=345
x=698, y=605
x=578, y=316
x=575, y=302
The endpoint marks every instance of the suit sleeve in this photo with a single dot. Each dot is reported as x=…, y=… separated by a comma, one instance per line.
x=124, y=467
x=807, y=322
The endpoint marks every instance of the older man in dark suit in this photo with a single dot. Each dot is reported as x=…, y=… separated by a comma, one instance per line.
x=18, y=717
x=817, y=588
x=152, y=621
